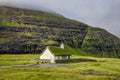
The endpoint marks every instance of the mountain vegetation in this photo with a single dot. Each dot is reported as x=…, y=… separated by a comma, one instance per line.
x=30, y=31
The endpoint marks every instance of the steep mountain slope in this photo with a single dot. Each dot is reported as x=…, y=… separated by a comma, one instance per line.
x=28, y=31
x=100, y=42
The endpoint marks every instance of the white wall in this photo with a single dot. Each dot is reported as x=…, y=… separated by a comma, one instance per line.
x=62, y=46
x=48, y=55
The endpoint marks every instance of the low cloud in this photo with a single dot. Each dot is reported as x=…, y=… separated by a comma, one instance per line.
x=98, y=13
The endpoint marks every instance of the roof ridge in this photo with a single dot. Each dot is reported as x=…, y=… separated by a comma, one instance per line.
x=58, y=51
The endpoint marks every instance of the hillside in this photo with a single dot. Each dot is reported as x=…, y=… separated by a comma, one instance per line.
x=100, y=41
x=30, y=31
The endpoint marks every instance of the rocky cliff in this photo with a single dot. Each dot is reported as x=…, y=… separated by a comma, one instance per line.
x=30, y=31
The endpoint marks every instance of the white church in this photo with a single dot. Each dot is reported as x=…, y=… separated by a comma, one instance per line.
x=53, y=53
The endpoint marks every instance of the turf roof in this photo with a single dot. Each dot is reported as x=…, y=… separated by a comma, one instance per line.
x=58, y=51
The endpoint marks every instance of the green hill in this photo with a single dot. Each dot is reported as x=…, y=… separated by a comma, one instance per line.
x=30, y=31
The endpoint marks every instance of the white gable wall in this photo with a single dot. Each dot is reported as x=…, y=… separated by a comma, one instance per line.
x=48, y=55
x=62, y=46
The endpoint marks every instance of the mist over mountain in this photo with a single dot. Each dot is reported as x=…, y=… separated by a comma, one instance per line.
x=30, y=31
x=98, y=13
x=23, y=5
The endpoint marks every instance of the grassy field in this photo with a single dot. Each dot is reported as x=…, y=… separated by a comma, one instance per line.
x=18, y=59
x=103, y=69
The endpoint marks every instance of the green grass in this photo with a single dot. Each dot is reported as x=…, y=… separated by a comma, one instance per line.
x=58, y=51
x=3, y=40
x=20, y=59
x=103, y=69
x=15, y=24
x=48, y=41
x=26, y=34
x=68, y=50
x=76, y=51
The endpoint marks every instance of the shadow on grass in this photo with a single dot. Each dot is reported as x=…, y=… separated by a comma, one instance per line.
x=75, y=60
x=99, y=73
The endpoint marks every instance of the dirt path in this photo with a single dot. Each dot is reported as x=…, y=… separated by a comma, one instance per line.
x=34, y=65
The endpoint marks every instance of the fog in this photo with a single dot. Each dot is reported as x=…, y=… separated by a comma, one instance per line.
x=98, y=13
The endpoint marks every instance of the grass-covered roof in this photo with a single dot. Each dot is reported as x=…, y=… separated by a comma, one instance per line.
x=58, y=51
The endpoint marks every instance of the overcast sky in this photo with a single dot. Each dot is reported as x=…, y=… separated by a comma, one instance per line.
x=97, y=13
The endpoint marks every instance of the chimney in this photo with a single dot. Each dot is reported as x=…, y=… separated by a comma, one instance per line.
x=62, y=45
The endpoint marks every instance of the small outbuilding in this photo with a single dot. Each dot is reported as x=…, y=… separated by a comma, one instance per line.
x=53, y=53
